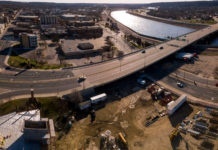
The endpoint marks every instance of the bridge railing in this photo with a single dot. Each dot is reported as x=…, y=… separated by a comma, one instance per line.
x=104, y=61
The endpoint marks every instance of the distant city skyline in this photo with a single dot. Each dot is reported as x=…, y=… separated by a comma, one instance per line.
x=104, y=1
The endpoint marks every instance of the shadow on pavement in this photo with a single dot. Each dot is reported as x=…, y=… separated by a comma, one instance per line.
x=4, y=51
x=20, y=72
x=19, y=51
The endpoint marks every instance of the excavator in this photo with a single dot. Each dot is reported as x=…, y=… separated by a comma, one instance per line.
x=174, y=132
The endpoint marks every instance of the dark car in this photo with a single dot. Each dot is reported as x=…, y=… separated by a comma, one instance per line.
x=7, y=68
x=81, y=79
x=180, y=84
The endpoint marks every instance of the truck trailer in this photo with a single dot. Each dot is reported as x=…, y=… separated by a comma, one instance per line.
x=93, y=102
x=174, y=105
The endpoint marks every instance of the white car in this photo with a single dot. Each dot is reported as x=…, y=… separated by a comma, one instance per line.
x=141, y=80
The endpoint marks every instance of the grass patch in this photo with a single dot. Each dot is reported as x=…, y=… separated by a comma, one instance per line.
x=195, y=21
x=21, y=62
x=11, y=106
x=50, y=107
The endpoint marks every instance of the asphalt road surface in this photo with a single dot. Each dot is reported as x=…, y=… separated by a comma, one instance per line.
x=96, y=74
x=195, y=90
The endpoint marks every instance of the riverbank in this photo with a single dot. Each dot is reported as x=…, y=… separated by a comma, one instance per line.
x=172, y=22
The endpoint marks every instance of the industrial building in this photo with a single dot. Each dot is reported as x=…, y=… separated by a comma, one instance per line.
x=32, y=19
x=48, y=20
x=86, y=32
x=28, y=40
x=75, y=17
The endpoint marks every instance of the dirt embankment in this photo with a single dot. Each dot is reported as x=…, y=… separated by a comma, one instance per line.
x=173, y=22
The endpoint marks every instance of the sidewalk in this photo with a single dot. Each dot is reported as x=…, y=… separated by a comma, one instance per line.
x=191, y=99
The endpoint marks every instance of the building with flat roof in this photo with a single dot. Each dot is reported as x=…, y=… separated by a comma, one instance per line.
x=23, y=24
x=51, y=31
x=32, y=19
x=39, y=131
x=81, y=23
x=28, y=40
x=86, y=32
x=75, y=17
x=25, y=130
x=18, y=30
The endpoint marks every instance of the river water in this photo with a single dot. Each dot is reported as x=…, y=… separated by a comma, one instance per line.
x=149, y=27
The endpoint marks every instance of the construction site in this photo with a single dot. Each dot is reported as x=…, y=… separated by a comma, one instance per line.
x=144, y=118
x=138, y=117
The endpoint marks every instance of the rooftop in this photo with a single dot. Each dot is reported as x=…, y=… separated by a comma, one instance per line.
x=11, y=127
x=72, y=15
x=28, y=17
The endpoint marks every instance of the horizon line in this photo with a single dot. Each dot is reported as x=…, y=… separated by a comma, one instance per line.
x=104, y=2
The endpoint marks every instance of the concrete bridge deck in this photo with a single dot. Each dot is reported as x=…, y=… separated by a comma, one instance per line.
x=106, y=72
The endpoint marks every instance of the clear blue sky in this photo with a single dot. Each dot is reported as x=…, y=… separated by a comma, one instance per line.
x=102, y=1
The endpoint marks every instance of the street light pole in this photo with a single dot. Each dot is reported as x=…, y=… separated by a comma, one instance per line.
x=143, y=52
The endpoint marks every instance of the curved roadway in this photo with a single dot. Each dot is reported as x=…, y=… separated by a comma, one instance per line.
x=16, y=82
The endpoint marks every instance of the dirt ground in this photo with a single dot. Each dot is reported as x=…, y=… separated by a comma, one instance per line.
x=206, y=65
x=128, y=116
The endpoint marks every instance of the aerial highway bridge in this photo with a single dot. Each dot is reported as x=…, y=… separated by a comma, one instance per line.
x=58, y=82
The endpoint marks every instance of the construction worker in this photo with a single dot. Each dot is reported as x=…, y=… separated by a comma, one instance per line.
x=195, y=83
x=92, y=115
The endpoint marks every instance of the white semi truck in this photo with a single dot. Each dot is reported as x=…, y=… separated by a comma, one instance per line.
x=93, y=101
